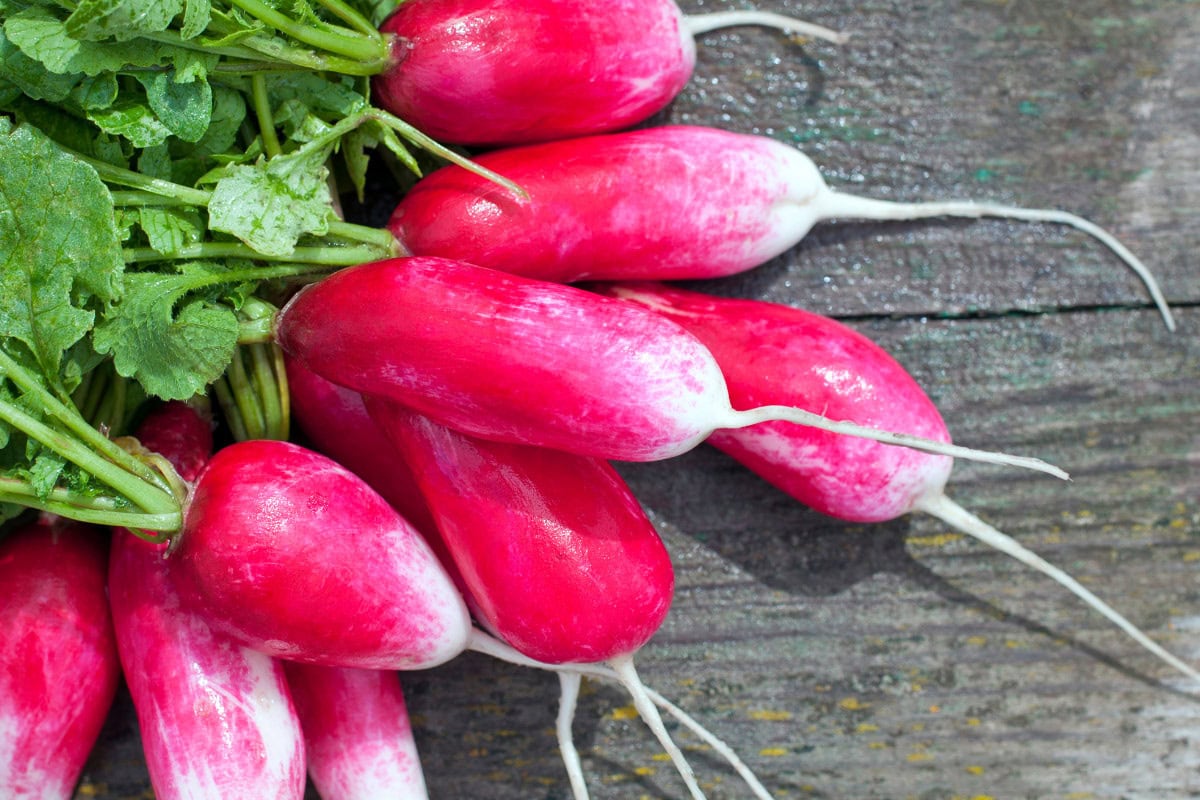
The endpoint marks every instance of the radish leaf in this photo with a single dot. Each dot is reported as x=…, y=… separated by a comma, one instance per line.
x=169, y=331
x=58, y=261
x=271, y=204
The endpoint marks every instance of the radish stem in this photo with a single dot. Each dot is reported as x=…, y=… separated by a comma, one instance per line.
x=704, y=23
x=833, y=204
x=753, y=416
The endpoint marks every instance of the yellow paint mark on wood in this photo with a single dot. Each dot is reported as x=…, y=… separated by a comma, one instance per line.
x=660, y=757
x=852, y=704
x=644, y=770
x=917, y=757
x=771, y=716
x=936, y=540
x=1191, y=555
x=975, y=769
x=877, y=746
x=773, y=751
x=973, y=721
x=935, y=709
x=624, y=712
x=978, y=641
x=1179, y=522
x=867, y=727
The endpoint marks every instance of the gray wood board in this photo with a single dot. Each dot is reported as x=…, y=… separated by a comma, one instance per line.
x=901, y=660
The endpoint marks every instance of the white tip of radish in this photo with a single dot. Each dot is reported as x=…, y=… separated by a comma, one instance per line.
x=703, y=23
x=955, y=515
x=568, y=699
x=753, y=416
x=831, y=204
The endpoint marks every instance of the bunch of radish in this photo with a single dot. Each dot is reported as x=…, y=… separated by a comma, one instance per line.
x=452, y=488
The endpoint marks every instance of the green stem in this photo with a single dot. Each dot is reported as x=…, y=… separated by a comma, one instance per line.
x=266, y=120
x=246, y=399
x=111, y=412
x=140, y=492
x=340, y=41
x=229, y=409
x=314, y=258
x=147, y=199
x=351, y=17
x=102, y=510
x=92, y=450
x=184, y=195
x=380, y=237
x=268, y=391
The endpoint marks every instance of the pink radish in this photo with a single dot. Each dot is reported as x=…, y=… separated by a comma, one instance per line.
x=508, y=71
x=671, y=202
x=296, y=556
x=557, y=555
x=58, y=658
x=336, y=424
x=216, y=718
x=357, y=735
x=772, y=353
x=340, y=417
x=525, y=361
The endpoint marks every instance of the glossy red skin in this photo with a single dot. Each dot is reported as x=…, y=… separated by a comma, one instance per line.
x=357, y=733
x=668, y=202
x=560, y=560
x=775, y=354
x=338, y=425
x=508, y=358
x=58, y=657
x=180, y=434
x=216, y=718
x=507, y=71
x=295, y=556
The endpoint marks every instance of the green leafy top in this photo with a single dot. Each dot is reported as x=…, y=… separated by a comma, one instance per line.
x=161, y=163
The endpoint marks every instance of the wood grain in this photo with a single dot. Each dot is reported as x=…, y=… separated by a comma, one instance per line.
x=903, y=660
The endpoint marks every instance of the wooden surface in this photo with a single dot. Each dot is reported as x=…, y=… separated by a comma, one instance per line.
x=903, y=660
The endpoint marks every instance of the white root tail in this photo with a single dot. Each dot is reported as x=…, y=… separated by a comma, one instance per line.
x=484, y=643
x=623, y=667
x=704, y=23
x=568, y=699
x=955, y=515
x=754, y=416
x=832, y=204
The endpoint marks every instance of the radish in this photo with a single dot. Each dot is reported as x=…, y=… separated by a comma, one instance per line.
x=357, y=735
x=58, y=659
x=671, y=202
x=557, y=555
x=337, y=418
x=507, y=71
x=294, y=555
x=771, y=353
x=216, y=718
x=529, y=362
